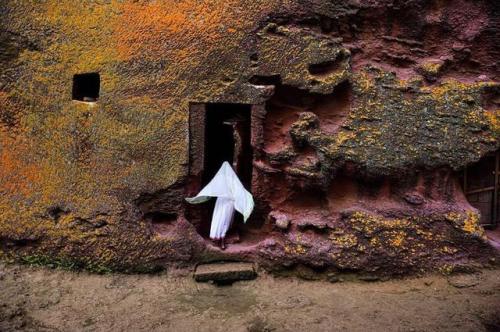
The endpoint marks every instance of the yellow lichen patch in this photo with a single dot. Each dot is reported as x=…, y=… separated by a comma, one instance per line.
x=471, y=224
x=342, y=137
x=364, y=81
x=375, y=241
x=369, y=223
x=397, y=238
x=295, y=249
x=391, y=115
x=344, y=241
x=468, y=222
x=426, y=234
x=300, y=249
x=449, y=88
x=431, y=68
x=410, y=234
x=449, y=250
x=494, y=121
x=446, y=269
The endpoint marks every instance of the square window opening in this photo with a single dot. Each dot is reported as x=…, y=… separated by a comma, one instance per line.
x=86, y=87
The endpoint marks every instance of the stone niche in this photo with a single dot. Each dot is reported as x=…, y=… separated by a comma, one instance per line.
x=86, y=87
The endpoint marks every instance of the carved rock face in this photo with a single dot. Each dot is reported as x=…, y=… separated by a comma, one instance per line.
x=362, y=116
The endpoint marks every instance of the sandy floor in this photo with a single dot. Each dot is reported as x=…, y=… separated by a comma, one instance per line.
x=34, y=299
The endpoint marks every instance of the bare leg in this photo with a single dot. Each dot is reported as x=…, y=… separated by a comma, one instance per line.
x=222, y=244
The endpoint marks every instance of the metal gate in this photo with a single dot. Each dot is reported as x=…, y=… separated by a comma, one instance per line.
x=481, y=187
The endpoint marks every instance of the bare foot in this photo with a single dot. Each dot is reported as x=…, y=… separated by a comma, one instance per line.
x=222, y=244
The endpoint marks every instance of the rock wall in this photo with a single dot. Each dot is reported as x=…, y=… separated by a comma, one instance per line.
x=363, y=114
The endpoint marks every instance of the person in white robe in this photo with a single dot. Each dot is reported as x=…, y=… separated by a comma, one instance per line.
x=231, y=195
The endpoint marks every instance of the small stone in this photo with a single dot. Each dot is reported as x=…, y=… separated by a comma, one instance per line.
x=282, y=223
x=332, y=277
x=431, y=70
x=280, y=220
x=369, y=278
x=482, y=78
x=267, y=243
x=271, y=27
x=414, y=198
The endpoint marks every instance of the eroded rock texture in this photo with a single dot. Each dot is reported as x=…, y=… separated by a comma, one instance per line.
x=363, y=113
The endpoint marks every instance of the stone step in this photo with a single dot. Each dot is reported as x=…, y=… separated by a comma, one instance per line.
x=224, y=272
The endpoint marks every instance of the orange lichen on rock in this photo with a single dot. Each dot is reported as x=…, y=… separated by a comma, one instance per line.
x=148, y=29
x=494, y=121
x=17, y=176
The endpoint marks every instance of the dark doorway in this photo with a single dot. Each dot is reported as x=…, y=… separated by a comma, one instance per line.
x=227, y=138
x=481, y=187
x=218, y=132
x=86, y=87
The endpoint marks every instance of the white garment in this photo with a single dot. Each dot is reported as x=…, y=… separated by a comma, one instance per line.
x=221, y=218
x=231, y=195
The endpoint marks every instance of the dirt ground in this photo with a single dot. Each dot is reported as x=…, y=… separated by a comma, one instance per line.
x=38, y=299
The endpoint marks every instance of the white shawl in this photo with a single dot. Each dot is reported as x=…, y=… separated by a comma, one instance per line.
x=226, y=184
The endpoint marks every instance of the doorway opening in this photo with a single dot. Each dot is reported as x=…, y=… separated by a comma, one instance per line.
x=227, y=138
x=481, y=184
x=219, y=132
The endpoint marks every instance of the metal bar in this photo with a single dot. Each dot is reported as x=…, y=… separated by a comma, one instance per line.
x=495, y=192
x=475, y=191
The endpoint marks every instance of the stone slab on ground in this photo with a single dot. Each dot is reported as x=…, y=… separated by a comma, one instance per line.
x=224, y=272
